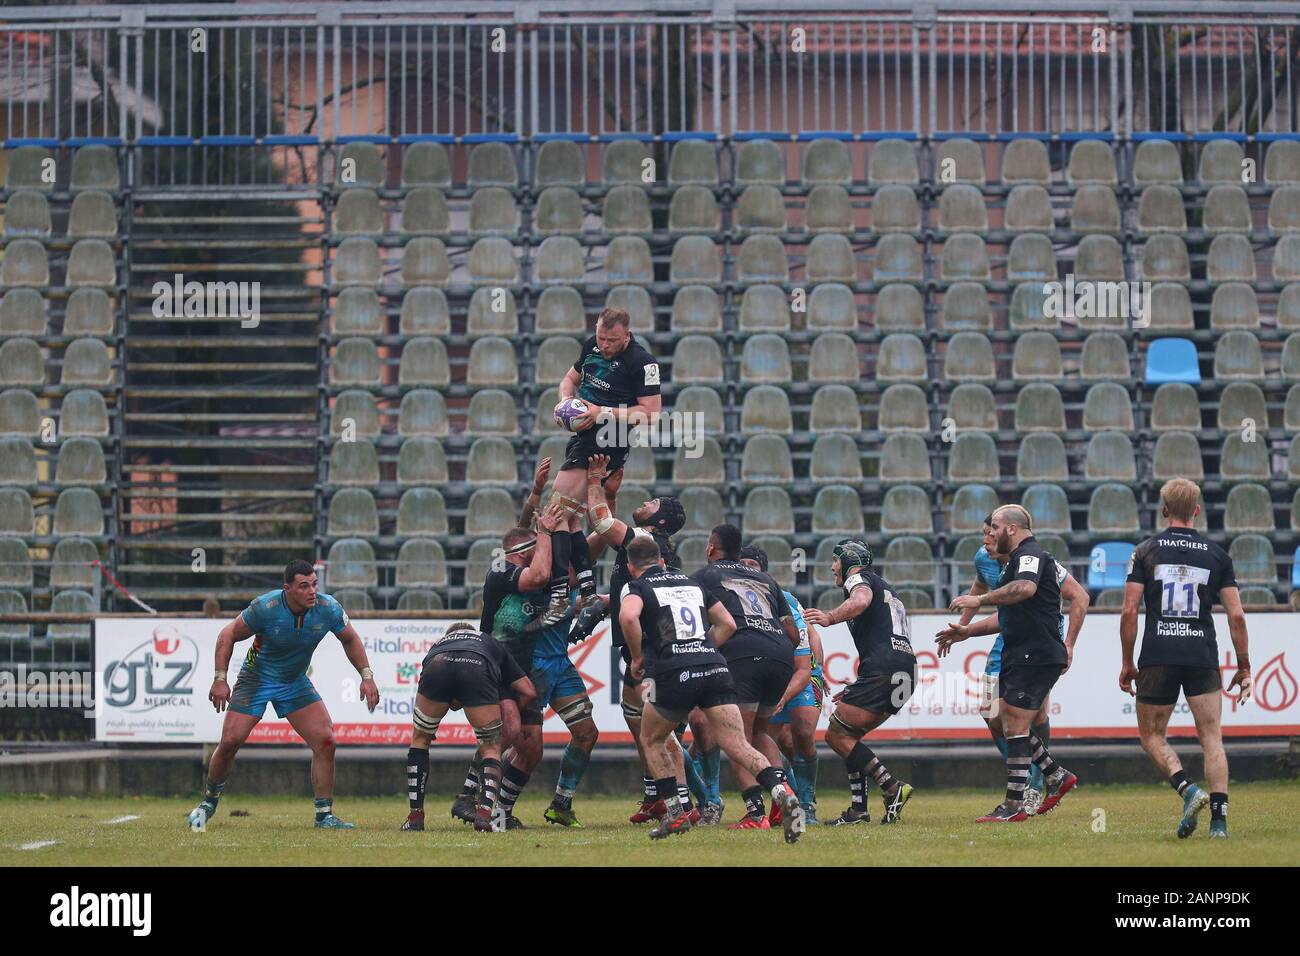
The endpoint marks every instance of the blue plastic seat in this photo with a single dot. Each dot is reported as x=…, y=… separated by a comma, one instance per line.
x=1172, y=360
x=1295, y=569
x=1108, y=565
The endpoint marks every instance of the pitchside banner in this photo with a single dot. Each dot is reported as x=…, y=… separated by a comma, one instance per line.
x=157, y=671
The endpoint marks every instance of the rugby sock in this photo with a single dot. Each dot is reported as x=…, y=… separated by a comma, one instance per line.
x=790, y=775
x=573, y=764
x=858, y=788
x=805, y=779
x=324, y=807
x=711, y=771
x=580, y=555
x=668, y=791
x=560, y=567
x=694, y=781
x=649, y=784
x=862, y=759
x=753, y=797
x=1180, y=783
x=1001, y=743
x=1043, y=732
x=1018, y=750
x=769, y=778
x=490, y=776
x=513, y=781
x=1219, y=806
x=212, y=792
x=684, y=796
x=417, y=776
x=1043, y=760
x=472, y=777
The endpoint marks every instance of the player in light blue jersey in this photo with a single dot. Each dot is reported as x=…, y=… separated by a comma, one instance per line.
x=286, y=625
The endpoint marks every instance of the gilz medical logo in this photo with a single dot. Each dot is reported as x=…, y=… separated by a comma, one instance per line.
x=155, y=673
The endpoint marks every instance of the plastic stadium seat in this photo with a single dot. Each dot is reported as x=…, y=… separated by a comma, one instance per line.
x=835, y=408
x=961, y=209
x=1160, y=209
x=626, y=210
x=357, y=409
x=692, y=161
x=1025, y=161
x=421, y=511
x=970, y=505
x=906, y=510
x=15, y=564
x=779, y=553
x=1234, y=306
x=360, y=166
x=628, y=498
x=1157, y=161
x=765, y=308
x=356, y=262
x=492, y=164
x=25, y=264
x=1221, y=162
x=966, y=308
x=627, y=260
x=1230, y=259
x=425, y=262
x=84, y=412
x=1037, y=357
x=763, y=259
x=899, y=308
x=837, y=510
x=902, y=358
x=1237, y=356
x=1177, y=455
x=830, y=259
x=909, y=560
x=1039, y=409
x=622, y=162
x=1286, y=259
x=972, y=408
x=1029, y=209
x=1031, y=258
x=904, y=458
x=357, y=311
x=1284, y=209
x=1095, y=209
x=697, y=360
x=696, y=309
x=831, y=308
x=1249, y=508
x=1049, y=508
x=87, y=362
x=693, y=209
x=423, y=412
x=767, y=511
x=969, y=358
x=426, y=164
x=894, y=208
x=963, y=552
x=826, y=161
x=353, y=463
x=491, y=461
x=491, y=512
x=17, y=517
x=27, y=169
x=903, y=408
x=1099, y=258
x=703, y=506
x=766, y=409
x=635, y=301
x=695, y=260
x=1028, y=309
x=492, y=412
x=1172, y=360
x=492, y=262
x=421, y=461
x=1109, y=406
x=828, y=209
x=12, y=602
x=425, y=213
x=835, y=459
x=419, y=599
x=898, y=259
x=1169, y=309
x=19, y=413
x=560, y=163
x=424, y=312
x=1110, y=458
x=22, y=364
x=424, y=363
x=1282, y=163
x=973, y=457
x=893, y=161
x=964, y=257
x=27, y=214
x=706, y=406
x=351, y=564
x=555, y=356
x=1226, y=210
x=766, y=460
x=1112, y=510
x=1165, y=257
x=915, y=599
x=94, y=167
x=81, y=462
x=559, y=212
x=765, y=358
x=963, y=158
x=1240, y=402
x=1259, y=596
x=25, y=312
x=691, y=550
x=71, y=601
x=1252, y=557
x=72, y=565
x=1175, y=407
x=357, y=213
x=834, y=358
x=421, y=564
x=1091, y=161
x=821, y=572
x=558, y=312
x=1041, y=457
x=759, y=161
x=1291, y=411
x=703, y=469
x=492, y=362
x=352, y=514
x=17, y=462
x=560, y=260
x=1108, y=565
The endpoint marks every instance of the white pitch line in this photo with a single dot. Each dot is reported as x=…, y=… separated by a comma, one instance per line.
x=123, y=819
x=37, y=845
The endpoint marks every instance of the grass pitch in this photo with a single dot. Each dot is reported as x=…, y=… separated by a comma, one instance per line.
x=1104, y=825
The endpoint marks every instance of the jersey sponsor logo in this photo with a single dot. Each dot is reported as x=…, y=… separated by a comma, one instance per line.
x=652, y=374
x=1179, y=629
x=1028, y=562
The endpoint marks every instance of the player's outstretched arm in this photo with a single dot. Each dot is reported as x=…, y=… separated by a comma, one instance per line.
x=1077, y=595
x=1128, y=634
x=610, y=529
x=534, y=499
x=976, y=589
x=853, y=605
x=538, y=573
x=956, y=633
x=355, y=649
x=1230, y=598
x=234, y=632
x=1018, y=591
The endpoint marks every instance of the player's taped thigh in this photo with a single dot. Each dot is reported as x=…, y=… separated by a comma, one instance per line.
x=489, y=733
x=424, y=723
x=631, y=711
x=576, y=711
x=570, y=506
x=838, y=722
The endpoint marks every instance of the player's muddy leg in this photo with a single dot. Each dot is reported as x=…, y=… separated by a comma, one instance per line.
x=728, y=726
x=803, y=743
x=487, y=722
x=633, y=707
x=517, y=767
x=234, y=731
x=663, y=759
x=708, y=758
x=575, y=710
x=848, y=725
x=314, y=726
x=744, y=777
x=1153, y=720
x=1207, y=711
x=426, y=715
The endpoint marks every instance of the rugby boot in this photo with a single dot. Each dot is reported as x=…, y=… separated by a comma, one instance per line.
x=894, y=803
x=850, y=816
x=670, y=824
x=810, y=815
x=751, y=821
x=462, y=808
x=331, y=822
x=1194, y=801
x=774, y=815
x=649, y=810
x=562, y=817
x=1056, y=791
x=1219, y=829
x=483, y=819
x=711, y=815
x=514, y=823
x=1004, y=814
x=1033, y=800
x=584, y=623
x=414, y=822
x=792, y=817
x=201, y=814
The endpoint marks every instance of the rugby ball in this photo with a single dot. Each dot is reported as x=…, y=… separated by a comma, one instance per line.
x=568, y=411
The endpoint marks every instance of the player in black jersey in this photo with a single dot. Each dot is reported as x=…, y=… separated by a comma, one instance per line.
x=886, y=676
x=619, y=381
x=658, y=519
x=1181, y=576
x=465, y=668
x=1033, y=658
x=760, y=655
x=664, y=614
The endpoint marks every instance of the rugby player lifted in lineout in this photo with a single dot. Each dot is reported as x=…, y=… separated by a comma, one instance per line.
x=619, y=381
